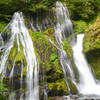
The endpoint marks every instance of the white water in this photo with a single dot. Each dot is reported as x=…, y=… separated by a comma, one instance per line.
x=20, y=33
x=87, y=85
x=19, y=27
x=64, y=25
x=62, y=29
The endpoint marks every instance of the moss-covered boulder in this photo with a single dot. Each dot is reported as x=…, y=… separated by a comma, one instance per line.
x=80, y=26
x=92, y=46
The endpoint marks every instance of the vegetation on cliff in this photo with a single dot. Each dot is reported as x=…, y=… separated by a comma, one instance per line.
x=50, y=65
x=83, y=9
x=79, y=9
x=92, y=45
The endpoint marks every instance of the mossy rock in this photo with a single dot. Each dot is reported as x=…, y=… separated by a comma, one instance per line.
x=92, y=37
x=17, y=56
x=49, y=31
x=67, y=47
x=58, y=88
x=53, y=8
x=92, y=46
x=93, y=58
x=72, y=86
x=80, y=27
x=2, y=25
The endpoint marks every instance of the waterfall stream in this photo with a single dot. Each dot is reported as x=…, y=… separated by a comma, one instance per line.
x=20, y=33
x=87, y=85
x=63, y=28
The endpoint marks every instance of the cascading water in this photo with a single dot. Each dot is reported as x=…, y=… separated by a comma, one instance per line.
x=87, y=85
x=63, y=29
x=20, y=33
x=64, y=24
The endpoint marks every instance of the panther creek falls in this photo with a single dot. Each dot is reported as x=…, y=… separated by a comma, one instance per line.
x=38, y=63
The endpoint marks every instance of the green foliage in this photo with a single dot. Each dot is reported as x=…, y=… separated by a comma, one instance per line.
x=49, y=31
x=83, y=9
x=3, y=89
x=93, y=57
x=49, y=55
x=50, y=64
x=79, y=9
x=92, y=46
x=80, y=27
x=28, y=7
x=67, y=47
x=92, y=37
x=72, y=86
x=2, y=25
x=53, y=57
x=58, y=88
x=54, y=60
x=19, y=55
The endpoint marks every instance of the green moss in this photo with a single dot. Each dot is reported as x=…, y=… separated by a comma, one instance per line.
x=69, y=38
x=58, y=88
x=12, y=94
x=54, y=61
x=19, y=55
x=53, y=57
x=92, y=46
x=67, y=47
x=50, y=98
x=2, y=25
x=53, y=8
x=50, y=63
x=72, y=86
x=24, y=70
x=22, y=90
x=13, y=53
x=80, y=27
x=49, y=31
x=3, y=89
x=92, y=36
x=93, y=58
x=9, y=67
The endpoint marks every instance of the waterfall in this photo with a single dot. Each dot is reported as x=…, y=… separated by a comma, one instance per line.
x=63, y=29
x=87, y=85
x=63, y=22
x=19, y=33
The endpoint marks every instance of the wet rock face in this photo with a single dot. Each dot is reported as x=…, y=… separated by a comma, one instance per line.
x=41, y=21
